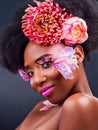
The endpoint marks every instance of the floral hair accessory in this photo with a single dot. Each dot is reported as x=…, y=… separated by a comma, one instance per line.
x=66, y=62
x=43, y=24
x=74, y=31
x=48, y=23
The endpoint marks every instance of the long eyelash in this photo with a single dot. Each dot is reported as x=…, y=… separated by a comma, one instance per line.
x=45, y=59
x=23, y=75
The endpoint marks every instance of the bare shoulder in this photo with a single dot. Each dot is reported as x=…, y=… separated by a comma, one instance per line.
x=80, y=112
x=29, y=118
x=81, y=101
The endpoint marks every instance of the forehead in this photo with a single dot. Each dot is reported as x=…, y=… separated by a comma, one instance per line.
x=34, y=51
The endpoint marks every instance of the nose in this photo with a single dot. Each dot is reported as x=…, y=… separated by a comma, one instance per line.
x=38, y=79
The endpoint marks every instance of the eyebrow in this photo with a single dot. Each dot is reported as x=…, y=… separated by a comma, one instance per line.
x=38, y=60
x=42, y=58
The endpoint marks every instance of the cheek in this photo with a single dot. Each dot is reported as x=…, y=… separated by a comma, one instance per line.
x=32, y=84
x=52, y=73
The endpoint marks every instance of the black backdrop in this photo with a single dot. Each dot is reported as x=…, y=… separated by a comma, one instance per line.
x=16, y=96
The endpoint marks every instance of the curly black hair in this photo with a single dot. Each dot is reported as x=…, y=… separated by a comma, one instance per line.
x=13, y=41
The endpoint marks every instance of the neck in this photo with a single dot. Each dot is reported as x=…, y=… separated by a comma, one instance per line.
x=82, y=84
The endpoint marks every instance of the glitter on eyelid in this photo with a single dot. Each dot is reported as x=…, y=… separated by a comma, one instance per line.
x=23, y=75
x=23, y=72
x=44, y=59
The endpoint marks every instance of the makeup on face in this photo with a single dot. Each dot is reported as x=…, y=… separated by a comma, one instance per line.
x=65, y=64
x=45, y=61
x=47, y=90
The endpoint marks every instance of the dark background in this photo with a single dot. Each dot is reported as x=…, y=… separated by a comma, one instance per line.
x=16, y=97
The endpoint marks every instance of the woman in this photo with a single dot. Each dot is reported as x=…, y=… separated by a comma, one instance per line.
x=48, y=49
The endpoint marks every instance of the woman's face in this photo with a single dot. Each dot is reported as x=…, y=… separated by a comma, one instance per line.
x=44, y=77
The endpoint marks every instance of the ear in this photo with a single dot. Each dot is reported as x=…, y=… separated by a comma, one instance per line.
x=79, y=53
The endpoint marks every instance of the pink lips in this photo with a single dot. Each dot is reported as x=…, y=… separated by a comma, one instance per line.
x=46, y=91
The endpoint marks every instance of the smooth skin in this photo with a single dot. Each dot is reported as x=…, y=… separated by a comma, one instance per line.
x=77, y=108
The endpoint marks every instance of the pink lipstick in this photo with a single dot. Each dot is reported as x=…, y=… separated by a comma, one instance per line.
x=46, y=91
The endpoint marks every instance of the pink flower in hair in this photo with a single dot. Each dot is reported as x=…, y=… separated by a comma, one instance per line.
x=74, y=31
x=48, y=23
